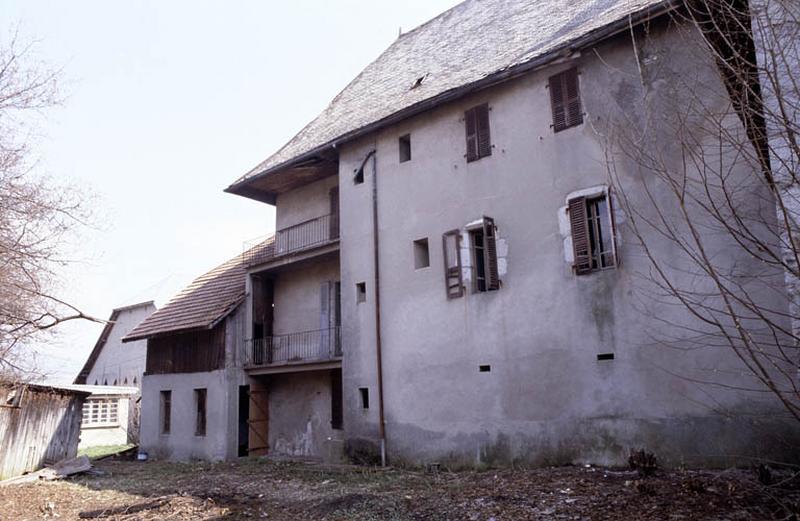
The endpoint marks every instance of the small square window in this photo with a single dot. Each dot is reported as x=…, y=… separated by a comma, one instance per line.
x=361, y=292
x=405, y=148
x=364, y=392
x=358, y=178
x=422, y=258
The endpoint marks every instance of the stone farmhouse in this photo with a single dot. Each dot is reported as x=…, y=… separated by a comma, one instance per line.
x=452, y=279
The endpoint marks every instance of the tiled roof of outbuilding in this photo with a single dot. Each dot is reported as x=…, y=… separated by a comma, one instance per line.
x=203, y=303
x=474, y=41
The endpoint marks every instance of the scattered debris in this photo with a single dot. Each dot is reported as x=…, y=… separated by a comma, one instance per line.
x=60, y=470
x=125, y=509
x=645, y=463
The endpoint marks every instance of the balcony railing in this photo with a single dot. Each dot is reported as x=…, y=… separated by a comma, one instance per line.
x=295, y=238
x=295, y=348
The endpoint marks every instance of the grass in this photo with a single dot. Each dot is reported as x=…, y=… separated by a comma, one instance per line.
x=102, y=450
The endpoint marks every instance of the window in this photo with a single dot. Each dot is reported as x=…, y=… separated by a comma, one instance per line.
x=200, y=412
x=454, y=284
x=166, y=411
x=484, y=256
x=565, y=100
x=361, y=292
x=476, y=123
x=405, y=148
x=337, y=407
x=99, y=412
x=422, y=258
x=364, y=392
x=592, y=234
x=358, y=178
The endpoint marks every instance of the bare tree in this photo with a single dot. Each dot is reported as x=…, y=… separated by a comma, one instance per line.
x=36, y=214
x=715, y=206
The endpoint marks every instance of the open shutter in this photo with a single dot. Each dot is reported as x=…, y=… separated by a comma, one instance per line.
x=580, y=235
x=490, y=254
x=484, y=137
x=613, y=222
x=572, y=98
x=454, y=284
x=471, y=126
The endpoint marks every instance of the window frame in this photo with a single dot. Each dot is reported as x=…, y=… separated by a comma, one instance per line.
x=100, y=411
x=165, y=412
x=484, y=255
x=477, y=127
x=567, y=110
x=586, y=226
x=200, y=412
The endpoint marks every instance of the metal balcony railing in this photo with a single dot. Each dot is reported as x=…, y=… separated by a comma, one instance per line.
x=295, y=348
x=295, y=238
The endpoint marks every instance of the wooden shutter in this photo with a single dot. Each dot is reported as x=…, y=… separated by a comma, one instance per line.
x=490, y=255
x=573, y=98
x=580, y=235
x=484, y=138
x=333, y=232
x=565, y=100
x=454, y=283
x=471, y=127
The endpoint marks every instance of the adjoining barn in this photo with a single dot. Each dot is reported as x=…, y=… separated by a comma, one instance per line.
x=39, y=425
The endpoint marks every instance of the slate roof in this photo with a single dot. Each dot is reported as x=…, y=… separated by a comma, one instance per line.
x=203, y=303
x=468, y=45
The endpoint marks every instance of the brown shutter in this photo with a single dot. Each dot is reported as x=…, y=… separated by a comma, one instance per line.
x=573, y=98
x=333, y=232
x=454, y=284
x=557, y=103
x=484, y=137
x=471, y=127
x=565, y=100
x=490, y=255
x=580, y=235
x=613, y=226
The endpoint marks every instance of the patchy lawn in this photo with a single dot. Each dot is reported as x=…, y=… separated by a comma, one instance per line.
x=259, y=489
x=102, y=451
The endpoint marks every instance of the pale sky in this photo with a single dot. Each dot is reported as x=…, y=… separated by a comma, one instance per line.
x=167, y=103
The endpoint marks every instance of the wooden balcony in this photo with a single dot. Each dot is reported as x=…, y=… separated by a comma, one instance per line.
x=306, y=350
x=295, y=240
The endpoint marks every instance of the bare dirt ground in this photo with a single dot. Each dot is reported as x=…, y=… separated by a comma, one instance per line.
x=260, y=489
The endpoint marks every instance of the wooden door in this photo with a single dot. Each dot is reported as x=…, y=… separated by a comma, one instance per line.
x=258, y=421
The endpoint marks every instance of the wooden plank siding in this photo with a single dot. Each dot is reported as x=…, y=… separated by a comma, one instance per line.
x=195, y=352
x=43, y=428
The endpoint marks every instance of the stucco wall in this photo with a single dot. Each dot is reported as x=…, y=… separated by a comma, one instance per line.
x=304, y=203
x=298, y=296
x=118, y=362
x=547, y=399
x=300, y=416
x=220, y=441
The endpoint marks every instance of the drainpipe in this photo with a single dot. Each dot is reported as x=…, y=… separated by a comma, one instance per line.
x=378, y=353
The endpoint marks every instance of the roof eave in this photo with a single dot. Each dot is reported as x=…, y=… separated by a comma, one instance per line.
x=623, y=24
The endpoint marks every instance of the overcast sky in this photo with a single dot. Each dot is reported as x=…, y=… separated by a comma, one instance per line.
x=167, y=103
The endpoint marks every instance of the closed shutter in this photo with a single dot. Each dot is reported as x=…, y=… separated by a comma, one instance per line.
x=573, y=98
x=333, y=232
x=471, y=127
x=565, y=100
x=490, y=255
x=580, y=235
x=484, y=138
x=454, y=284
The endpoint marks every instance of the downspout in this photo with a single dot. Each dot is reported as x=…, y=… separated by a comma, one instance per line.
x=378, y=352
